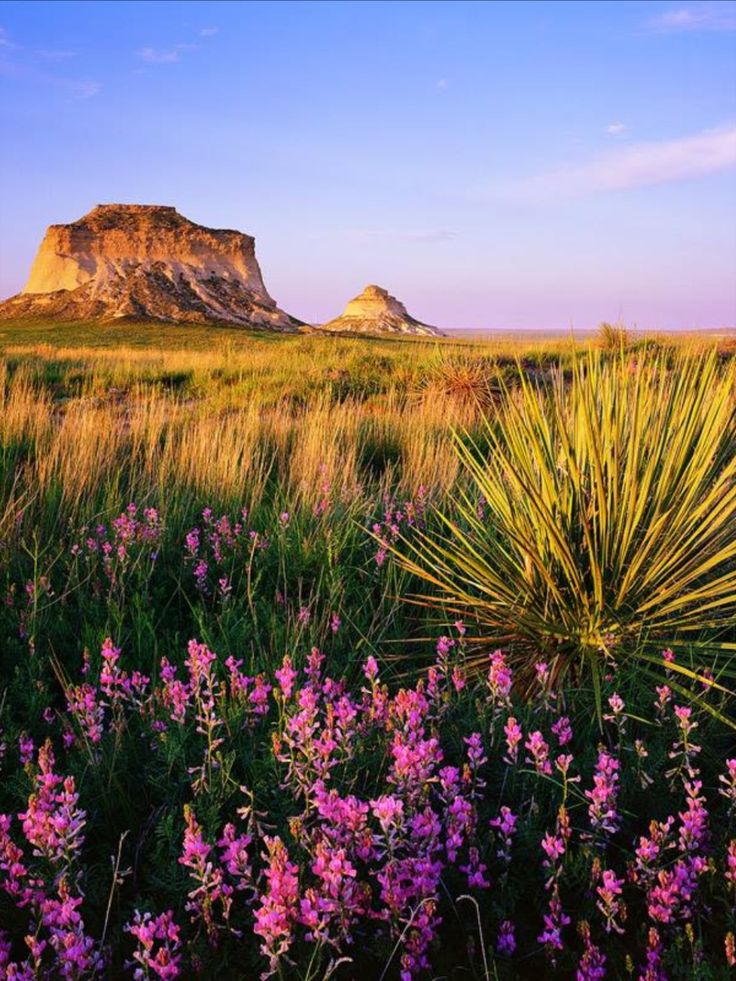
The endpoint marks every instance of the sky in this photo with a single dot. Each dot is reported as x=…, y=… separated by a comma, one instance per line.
x=498, y=165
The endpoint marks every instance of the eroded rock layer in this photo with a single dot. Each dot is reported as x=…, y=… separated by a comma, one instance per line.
x=146, y=262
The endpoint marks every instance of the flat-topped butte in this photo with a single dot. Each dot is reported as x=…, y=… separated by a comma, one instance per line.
x=146, y=262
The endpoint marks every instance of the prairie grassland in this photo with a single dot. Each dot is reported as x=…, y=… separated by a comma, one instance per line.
x=223, y=424
x=207, y=544
x=336, y=432
x=231, y=414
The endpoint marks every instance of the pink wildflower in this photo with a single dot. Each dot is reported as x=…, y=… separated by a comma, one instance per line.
x=592, y=964
x=286, y=676
x=89, y=713
x=608, y=900
x=499, y=681
x=514, y=735
x=52, y=822
x=278, y=904
x=604, y=817
x=505, y=826
x=539, y=753
x=506, y=940
x=555, y=920
x=26, y=748
x=158, y=951
x=210, y=888
x=563, y=730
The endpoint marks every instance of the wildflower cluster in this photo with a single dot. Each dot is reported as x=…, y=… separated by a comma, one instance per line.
x=111, y=555
x=37, y=878
x=515, y=812
x=396, y=520
x=218, y=549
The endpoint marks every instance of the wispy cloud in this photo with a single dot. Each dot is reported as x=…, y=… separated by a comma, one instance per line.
x=638, y=165
x=84, y=90
x=155, y=56
x=164, y=56
x=47, y=54
x=72, y=88
x=23, y=64
x=698, y=17
x=51, y=54
x=442, y=83
x=173, y=54
x=616, y=129
x=390, y=234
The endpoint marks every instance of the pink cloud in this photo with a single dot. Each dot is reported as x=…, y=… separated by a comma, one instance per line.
x=639, y=165
x=700, y=17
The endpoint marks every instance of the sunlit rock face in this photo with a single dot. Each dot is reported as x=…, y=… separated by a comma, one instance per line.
x=147, y=262
x=375, y=311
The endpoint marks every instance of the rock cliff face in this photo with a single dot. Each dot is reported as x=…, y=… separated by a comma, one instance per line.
x=146, y=262
x=375, y=311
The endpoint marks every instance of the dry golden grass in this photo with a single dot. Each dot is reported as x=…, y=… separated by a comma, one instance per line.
x=83, y=428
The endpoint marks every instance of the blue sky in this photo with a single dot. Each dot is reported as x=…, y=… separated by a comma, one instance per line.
x=507, y=165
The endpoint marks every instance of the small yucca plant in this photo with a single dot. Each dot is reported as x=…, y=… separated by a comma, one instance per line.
x=613, y=337
x=469, y=381
x=608, y=519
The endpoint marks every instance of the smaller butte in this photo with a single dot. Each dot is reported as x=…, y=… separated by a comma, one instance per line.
x=375, y=311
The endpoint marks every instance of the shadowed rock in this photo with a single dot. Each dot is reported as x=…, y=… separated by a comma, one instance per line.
x=375, y=311
x=146, y=262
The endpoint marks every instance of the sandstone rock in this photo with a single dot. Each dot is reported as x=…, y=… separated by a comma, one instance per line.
x=146, y=262
x=376, y=311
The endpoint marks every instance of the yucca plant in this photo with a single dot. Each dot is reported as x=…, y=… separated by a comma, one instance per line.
x=609, y=516
x=613, y=337
x=470, y=381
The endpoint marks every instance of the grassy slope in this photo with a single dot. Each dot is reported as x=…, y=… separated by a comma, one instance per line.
x=194, y=337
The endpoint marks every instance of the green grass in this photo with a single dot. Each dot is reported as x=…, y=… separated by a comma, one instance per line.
x=153, y=335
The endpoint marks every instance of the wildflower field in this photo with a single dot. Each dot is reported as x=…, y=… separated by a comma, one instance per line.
x=381, y=659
